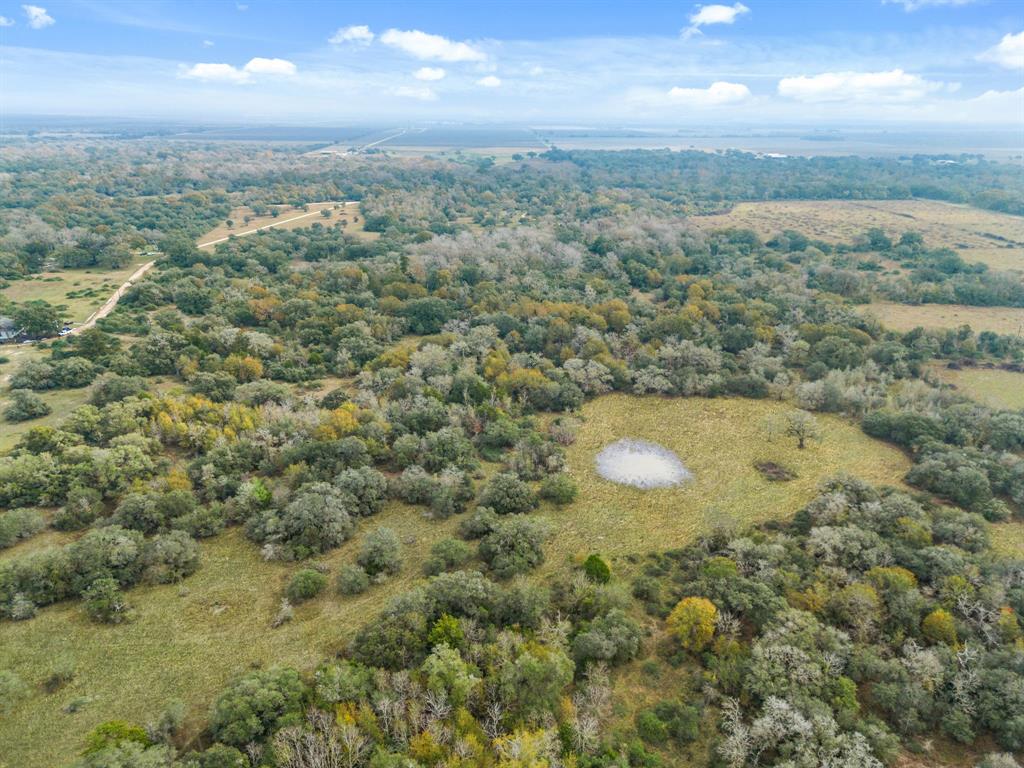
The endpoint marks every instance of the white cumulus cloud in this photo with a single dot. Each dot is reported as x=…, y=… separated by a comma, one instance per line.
x=717, y=94
x=228, y=73
x=706, y=15
x=421, y=92
x=1008, y=52
x=892, y=86
x=37, y=17
x=358, y=34
x=260, y=66
x=423, y=45
x=5, y=22
x=224, y=73
x=429, y=73
x=489, y=82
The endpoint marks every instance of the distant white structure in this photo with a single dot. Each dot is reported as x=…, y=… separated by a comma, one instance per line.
x=641, y=464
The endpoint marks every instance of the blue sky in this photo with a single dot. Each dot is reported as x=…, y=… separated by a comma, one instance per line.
x=659, y=63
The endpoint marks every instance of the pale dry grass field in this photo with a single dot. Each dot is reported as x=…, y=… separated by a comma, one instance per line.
x=996, y=239
x=291, y=218
x=906, y=317
x=61, y=402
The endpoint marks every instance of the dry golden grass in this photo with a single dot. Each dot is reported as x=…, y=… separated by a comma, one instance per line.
x=89, y=289
x=971, y=231
x=992, y=386
x=906, y=317
x=288, y=219
x=719, y=441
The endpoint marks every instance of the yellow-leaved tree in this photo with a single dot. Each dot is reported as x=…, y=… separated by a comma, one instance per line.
x=692, y=621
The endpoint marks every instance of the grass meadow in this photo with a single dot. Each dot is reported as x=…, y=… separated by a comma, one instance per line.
x=79, y=292
x=61, y=402
x=1008, y=538
x=992, y=386
x=188, y=639
x=346, y=213
x=996, y=239
x=719, y=441
x=906, y=317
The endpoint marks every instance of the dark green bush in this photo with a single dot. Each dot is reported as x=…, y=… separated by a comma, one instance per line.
x=559, y=489
x=597, y=569
x=305, y=585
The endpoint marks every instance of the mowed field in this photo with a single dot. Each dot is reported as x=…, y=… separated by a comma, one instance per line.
x=996, y=239
x=290, y=218
x=992, y=386
x=906, y=317
x=188, y=639
x=78, y=292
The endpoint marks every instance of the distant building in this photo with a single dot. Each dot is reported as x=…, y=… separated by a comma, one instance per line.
x=9, y=332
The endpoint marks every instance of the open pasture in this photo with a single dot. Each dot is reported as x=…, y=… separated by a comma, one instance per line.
x=906, y=317
x=245, y=221
x=992, y=386
x=61, y=402
x=187, y=640
x=79, y=292
x=996, y=239
x=719, y=441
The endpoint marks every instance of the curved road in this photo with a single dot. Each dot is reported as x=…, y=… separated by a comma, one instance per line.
x=109, y=304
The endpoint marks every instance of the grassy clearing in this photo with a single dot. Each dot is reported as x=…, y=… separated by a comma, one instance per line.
x=80, y=292
x=906, y=317
x=346, y=214
x=719, y=441
x=1008, y=538
x=992, y=386
x=15, y=355
x=188, y=639
x=61, y=401
x=996, y=239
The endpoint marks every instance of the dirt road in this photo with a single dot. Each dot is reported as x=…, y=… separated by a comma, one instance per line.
x=109, y=304
x=266, y=226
